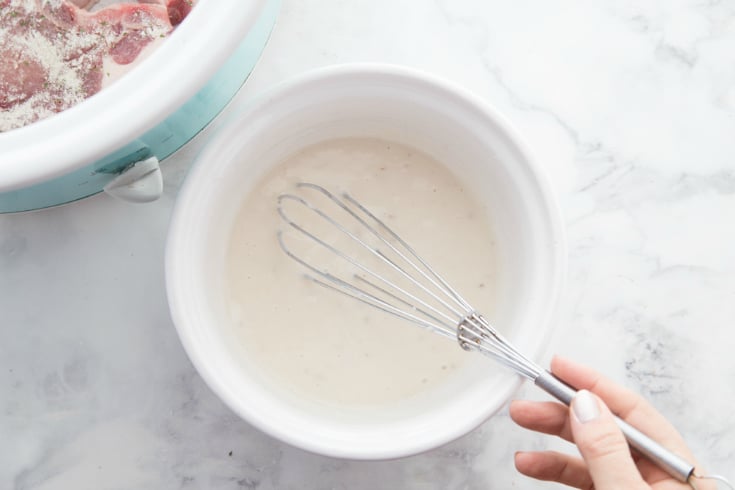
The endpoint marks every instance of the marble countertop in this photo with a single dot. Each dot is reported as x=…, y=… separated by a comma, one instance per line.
x=630, y=107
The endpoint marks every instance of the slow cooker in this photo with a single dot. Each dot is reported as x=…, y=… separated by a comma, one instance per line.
x=117, y=138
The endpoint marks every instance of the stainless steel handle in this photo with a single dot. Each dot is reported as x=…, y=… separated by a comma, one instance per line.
x=671, y=463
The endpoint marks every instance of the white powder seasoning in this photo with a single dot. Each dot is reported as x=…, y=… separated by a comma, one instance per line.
x=62, y=84
x=50, y=62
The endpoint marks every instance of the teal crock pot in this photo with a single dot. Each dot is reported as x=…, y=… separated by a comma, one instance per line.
x=121, y=134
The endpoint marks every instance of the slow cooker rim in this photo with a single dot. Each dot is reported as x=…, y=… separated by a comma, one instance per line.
x=132, y=105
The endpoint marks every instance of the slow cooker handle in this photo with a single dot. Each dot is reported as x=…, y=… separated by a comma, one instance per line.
x=140, y=183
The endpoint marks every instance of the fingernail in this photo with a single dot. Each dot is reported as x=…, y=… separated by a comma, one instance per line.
x=585, y=406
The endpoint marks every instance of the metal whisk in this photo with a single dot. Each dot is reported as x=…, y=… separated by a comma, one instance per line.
x=430, y=302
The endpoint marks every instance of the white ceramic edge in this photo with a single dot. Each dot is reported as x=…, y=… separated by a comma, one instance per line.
x=199, y=171
x=132, y=105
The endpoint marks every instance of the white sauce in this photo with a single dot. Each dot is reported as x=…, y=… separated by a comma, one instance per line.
x=329, y=348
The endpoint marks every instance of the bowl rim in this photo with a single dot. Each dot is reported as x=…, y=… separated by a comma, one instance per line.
x=133, y=104
x=199, y=173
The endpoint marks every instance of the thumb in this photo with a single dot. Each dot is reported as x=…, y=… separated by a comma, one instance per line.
x=602, y=444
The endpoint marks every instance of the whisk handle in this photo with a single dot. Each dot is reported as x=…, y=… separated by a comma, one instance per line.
x=665, y=459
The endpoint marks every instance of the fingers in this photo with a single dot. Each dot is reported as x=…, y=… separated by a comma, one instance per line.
x=602, y=445
x=553, y=418
x=626, y=404
x=598, y=438
x=546, y=417
x=553, y=466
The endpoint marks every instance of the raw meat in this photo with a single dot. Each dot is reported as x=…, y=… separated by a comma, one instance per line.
x=83, y=3
x=177, y=9
x=54, y=54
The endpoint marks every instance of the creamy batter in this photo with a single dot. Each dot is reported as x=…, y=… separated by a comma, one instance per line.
x=329, y=348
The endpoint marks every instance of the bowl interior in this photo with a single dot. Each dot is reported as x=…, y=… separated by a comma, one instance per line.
x=395, y=105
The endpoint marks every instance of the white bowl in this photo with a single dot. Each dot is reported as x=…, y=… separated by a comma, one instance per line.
x=401, y=105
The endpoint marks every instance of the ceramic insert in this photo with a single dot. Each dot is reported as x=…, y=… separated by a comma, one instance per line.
x=56, y=53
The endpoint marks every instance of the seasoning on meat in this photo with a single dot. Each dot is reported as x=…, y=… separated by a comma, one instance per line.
x=52, y=52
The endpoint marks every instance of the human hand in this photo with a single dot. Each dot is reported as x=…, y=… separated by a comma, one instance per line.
x=607, y=462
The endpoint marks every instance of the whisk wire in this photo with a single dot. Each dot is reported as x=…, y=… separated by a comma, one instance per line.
x=449, y=327
x=432, y=276
x=375, y=252
x=474, y=331
x=468, y=327
x=376, y=302
x=330, y=281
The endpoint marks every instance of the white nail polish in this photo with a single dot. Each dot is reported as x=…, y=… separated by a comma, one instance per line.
x=585, y=406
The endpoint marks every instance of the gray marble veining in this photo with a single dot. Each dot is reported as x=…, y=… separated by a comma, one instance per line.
x=630, y=107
